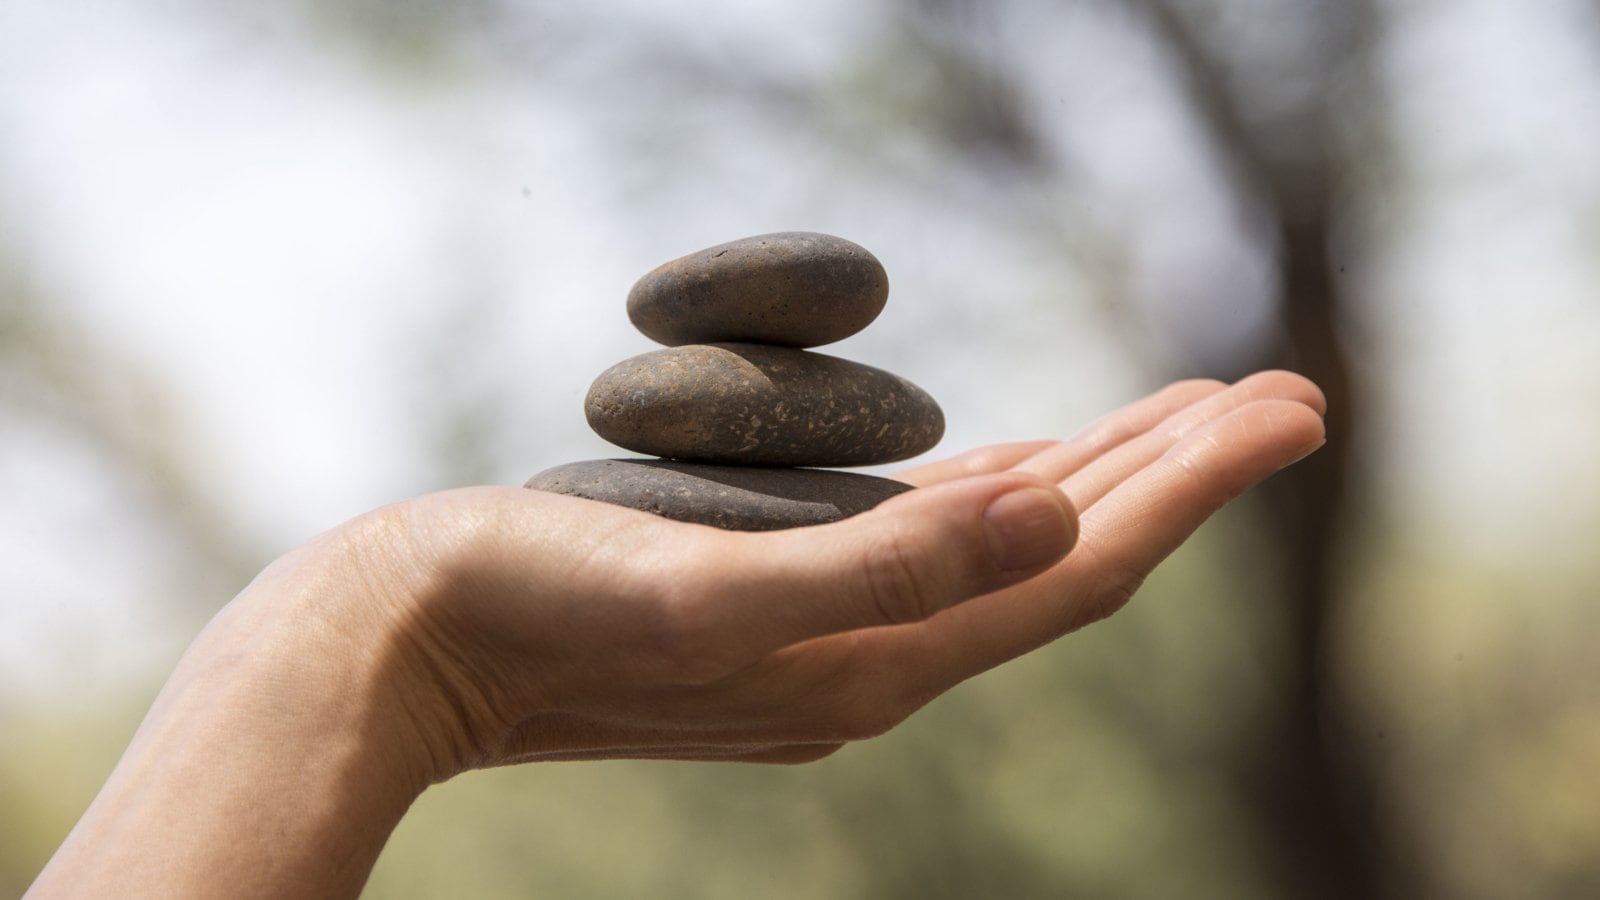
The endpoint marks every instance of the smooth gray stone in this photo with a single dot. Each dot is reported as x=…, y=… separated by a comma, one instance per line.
x=751, y=404
x=793, y=288
x=738, y=498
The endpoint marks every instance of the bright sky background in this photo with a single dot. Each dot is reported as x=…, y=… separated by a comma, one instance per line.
x=278, y=239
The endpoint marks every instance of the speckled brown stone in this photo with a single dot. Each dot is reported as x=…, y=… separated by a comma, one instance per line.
x=750, y=404
x=739, y=498
x=793, y=288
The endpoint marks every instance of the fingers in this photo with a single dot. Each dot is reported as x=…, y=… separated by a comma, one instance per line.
x=1148, y=514
x=927, y=550
x=1111, y=431
x=736, y=597
x=1126, y=532
x=670, y=640
x=799, y=700
x=903, y=562
x=1093, y=480
x=1103, y=454
x=1055, y=459
x=982, y=461
x=1134, y=526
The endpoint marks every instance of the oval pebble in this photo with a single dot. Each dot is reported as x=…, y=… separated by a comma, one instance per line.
x=751, y=404
x=792, y=288
x=731, y=497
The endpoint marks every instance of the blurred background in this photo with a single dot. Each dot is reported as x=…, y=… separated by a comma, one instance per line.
x=264, y=266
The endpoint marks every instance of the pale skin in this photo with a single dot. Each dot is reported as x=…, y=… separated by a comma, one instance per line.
x=489, y=626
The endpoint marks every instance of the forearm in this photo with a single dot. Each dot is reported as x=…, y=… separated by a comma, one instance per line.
x=254, y=773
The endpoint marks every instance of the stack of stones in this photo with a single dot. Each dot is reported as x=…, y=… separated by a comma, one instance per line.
x=736, y=403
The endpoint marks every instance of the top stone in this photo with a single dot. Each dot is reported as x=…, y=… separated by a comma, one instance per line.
x=793, y=288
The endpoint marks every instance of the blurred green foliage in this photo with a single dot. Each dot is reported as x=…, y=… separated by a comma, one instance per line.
x=1121, y=762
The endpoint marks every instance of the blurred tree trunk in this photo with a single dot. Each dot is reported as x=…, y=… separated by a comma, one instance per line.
x=1317, y=802
x=1317, y=805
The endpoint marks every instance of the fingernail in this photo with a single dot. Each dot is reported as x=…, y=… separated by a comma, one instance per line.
x=1307, y=452
x=1028, y=528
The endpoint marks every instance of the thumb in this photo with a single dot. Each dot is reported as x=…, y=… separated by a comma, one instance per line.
x=914, y=555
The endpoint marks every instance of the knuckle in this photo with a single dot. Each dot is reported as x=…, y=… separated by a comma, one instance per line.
x=1108, y=585
x=1112, y=593
x=896, y=584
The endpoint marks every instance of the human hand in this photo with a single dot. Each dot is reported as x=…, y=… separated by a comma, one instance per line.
x=584, y=631
x=489, y=626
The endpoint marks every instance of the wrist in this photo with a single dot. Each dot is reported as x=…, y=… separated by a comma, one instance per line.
x=273, y=761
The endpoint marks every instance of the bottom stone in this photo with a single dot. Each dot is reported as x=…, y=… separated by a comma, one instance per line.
x=737, y=498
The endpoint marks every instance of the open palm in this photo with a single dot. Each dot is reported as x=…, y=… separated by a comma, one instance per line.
x=787, y=684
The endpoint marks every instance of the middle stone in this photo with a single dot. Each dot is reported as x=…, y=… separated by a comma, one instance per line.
x=760, y=405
